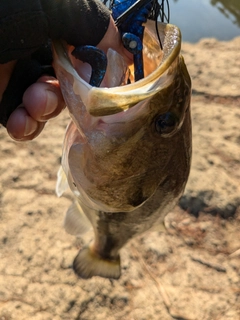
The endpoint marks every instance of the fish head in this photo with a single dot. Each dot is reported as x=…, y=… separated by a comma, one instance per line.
x=127, y=140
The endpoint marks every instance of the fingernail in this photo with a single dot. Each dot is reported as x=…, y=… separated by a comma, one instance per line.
x=51, y=104
x=30, y=127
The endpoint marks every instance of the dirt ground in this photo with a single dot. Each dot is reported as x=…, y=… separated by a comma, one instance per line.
x=190, y=272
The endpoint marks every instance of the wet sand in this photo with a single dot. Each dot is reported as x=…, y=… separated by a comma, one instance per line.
x=190, y=272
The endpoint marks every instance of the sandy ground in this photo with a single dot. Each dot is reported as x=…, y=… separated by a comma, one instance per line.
x=190, y=272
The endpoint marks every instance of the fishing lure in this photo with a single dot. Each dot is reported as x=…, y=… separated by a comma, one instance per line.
x=129, y=16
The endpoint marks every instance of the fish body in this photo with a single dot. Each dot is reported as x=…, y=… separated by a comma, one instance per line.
x=127, y=150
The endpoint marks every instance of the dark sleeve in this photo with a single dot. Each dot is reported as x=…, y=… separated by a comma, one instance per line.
x=26, y=25
x=23, y=28
x=79, y=22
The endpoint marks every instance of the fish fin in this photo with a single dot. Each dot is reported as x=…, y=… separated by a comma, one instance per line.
x=62, y=182
x=159, y=227
x=76, y=222
x=88, y=264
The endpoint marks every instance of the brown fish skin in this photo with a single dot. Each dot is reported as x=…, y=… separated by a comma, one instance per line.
x=169, y=159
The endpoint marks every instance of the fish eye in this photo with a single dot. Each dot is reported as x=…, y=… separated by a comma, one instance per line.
x=166, y=123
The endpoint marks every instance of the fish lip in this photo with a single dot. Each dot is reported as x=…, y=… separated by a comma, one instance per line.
x=108, y=101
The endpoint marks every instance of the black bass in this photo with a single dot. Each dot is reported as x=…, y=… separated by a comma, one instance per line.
x=127, y=150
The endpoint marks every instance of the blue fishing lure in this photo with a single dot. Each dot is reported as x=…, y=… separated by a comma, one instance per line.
x=129, y=16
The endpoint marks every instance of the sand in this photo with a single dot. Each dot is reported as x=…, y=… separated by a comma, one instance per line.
x=190, y=272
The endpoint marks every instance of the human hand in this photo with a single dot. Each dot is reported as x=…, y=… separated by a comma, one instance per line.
x=43, y=100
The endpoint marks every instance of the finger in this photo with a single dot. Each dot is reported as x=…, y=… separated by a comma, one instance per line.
x=21, y=126
x=43, y=100
x=112, y=39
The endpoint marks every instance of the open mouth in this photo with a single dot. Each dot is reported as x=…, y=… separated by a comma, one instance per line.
x=109, y=71
x=113, y=98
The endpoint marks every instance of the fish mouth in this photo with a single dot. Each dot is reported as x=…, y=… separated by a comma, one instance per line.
x=108, y=101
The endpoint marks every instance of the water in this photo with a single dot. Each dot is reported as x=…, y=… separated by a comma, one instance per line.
x=198, y=19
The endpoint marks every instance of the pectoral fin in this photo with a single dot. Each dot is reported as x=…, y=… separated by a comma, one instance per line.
x=62, y=182
x=88, y=264
x=76, y=222
x=159, y=227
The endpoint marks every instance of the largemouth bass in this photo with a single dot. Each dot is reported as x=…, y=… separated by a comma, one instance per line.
x=127, y=150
